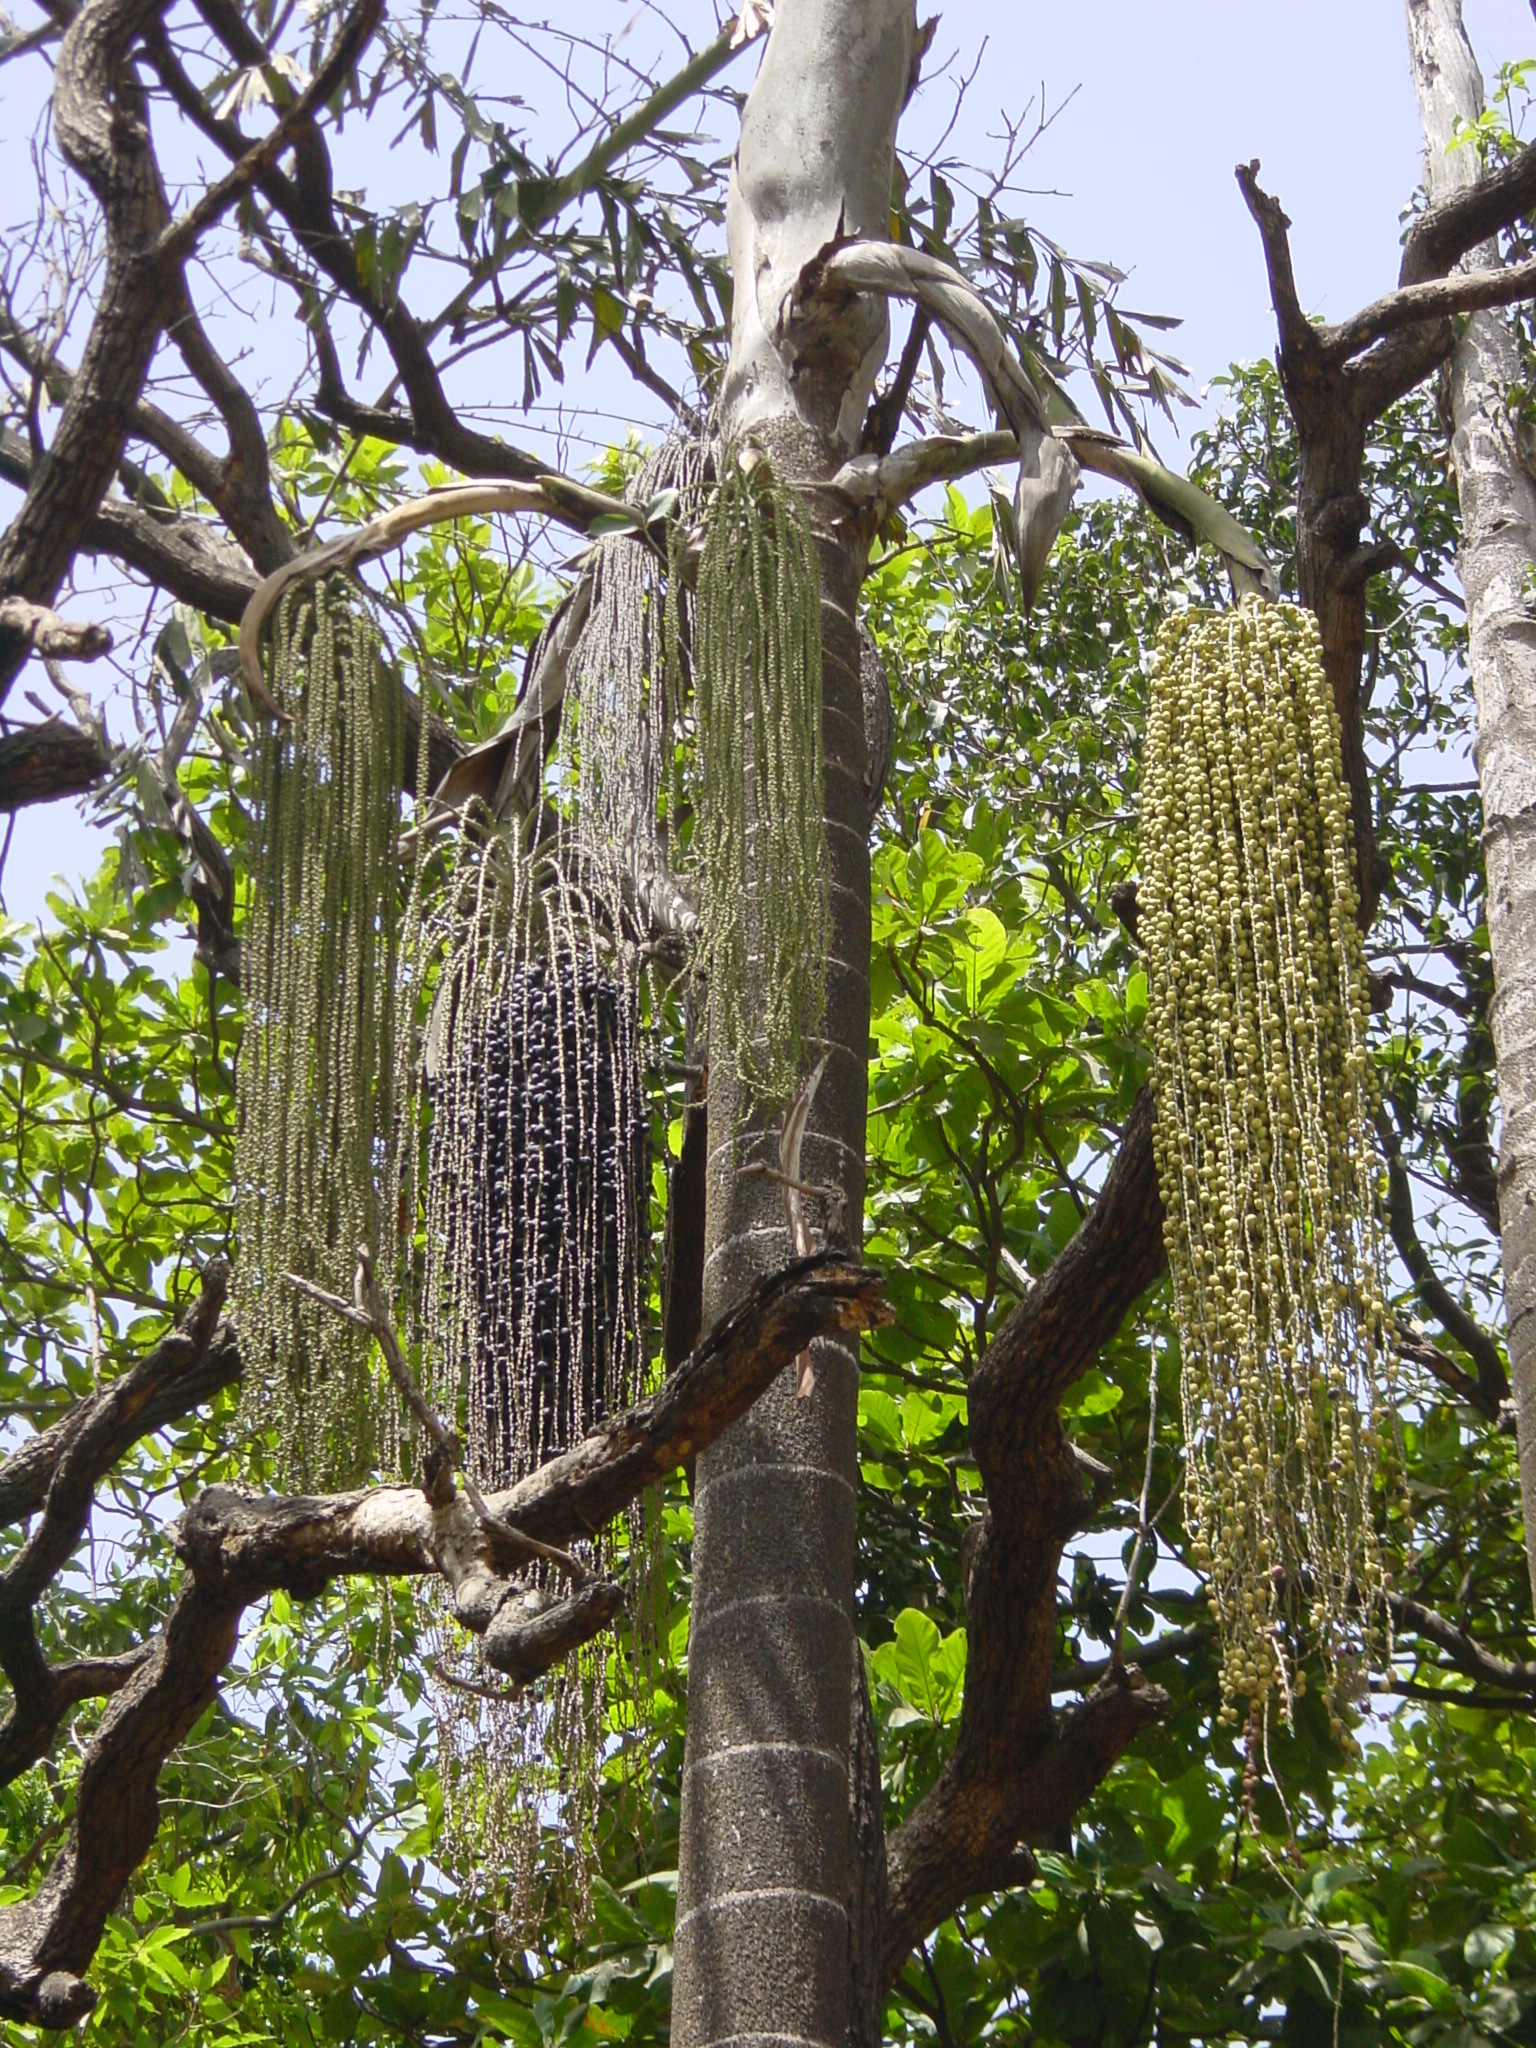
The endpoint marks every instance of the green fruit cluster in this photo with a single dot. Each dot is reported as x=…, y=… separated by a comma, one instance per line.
x=325, y=1073
x=1265, y=1151
x=761, y=845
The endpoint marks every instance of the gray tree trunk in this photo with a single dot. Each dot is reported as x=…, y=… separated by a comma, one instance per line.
x=1498, y=553
x=764, y=1866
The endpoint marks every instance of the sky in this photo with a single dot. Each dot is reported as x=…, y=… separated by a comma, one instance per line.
x=1157, y=100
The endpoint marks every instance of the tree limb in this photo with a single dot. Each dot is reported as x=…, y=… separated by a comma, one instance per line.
x=237, y=1547
x=1465, y=1652
x=102, y=127
x=43, y=631
x=1443, y=234
x=1462, y=292
x=184, y=1369
x=1297, y=333
x=41, y=762
x=1019, y=1769
x=1462, y=1327
x=181, y=236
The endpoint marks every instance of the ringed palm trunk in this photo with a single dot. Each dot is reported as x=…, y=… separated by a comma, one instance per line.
x=1498, y=553
x=763, y=1938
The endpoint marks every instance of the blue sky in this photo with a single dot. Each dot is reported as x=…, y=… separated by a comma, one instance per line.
x=1167, y=96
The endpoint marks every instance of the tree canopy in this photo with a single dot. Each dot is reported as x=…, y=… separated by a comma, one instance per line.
x=1126, y=1869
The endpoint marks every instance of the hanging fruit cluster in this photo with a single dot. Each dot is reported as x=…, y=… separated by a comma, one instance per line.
x=540, y=1175
x=326, y=1061
x=1265, y=1146
x=761, y=841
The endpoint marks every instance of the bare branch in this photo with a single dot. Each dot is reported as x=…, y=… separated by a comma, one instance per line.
x=1297, y=333
x=43, y=631
x=180, y=238
x=1463, y=1328
x=1462, y=292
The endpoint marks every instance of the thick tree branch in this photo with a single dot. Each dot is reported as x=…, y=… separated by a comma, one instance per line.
x=43, y=631
x=1436, y=299
x=238, y=1547
x=1442, y=235
x=184, y=1369
x=41, y=762
x=58, y=1472
x=1060, y=1327
x=965, y=1835
x=102, y=126
x=1019, y=1769
x=1298, y=336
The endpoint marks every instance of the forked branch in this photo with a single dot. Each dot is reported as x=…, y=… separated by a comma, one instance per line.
x=237, y=1547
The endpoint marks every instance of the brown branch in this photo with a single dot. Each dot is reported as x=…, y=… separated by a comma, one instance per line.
x=964, y=1836
x=102, y=127
x=1057, y=1331
x=1297, y=333
x=1019, y=1769
x=304, y=202
x=43, y=632
x=185, y=1369
x=1436, y=299
x=58, y=1472
x=1461, y=1327
x=237, y=1547
x=882, y=423
x=41, y=762
x=180, y=238
x=1465, y=1652
x=1440, y=237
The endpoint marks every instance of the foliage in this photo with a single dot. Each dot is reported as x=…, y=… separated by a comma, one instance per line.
x=295, y=1893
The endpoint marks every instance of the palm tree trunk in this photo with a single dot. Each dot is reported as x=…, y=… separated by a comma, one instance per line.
x=1498, y=553
x=762, y=1944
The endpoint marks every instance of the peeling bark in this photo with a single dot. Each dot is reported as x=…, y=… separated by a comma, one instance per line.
x=1496, y=558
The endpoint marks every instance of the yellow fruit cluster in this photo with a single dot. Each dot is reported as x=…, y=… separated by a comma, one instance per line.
x=1265, y=1150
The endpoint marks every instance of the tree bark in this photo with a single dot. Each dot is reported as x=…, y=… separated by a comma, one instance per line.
x=763, y=1936
x=102, y=126
x=1498, y=554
